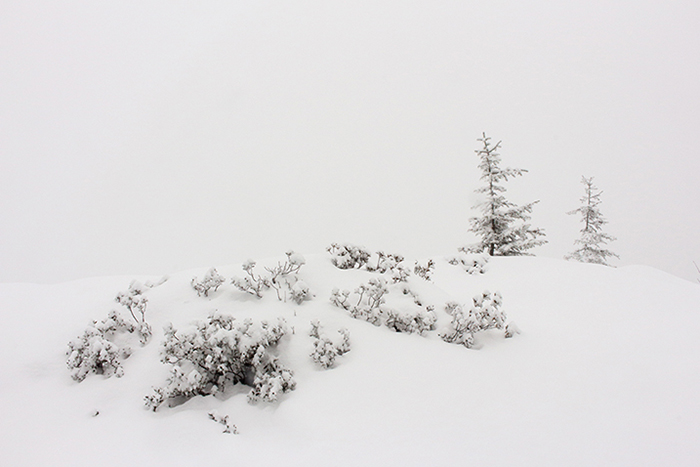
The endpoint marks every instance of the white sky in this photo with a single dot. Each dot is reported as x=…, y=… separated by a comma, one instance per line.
x=146, y=137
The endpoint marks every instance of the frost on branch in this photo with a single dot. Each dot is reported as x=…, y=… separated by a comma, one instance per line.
x=220, y=352
x=100, y=349
x=471, y=263
x=348, y=256
x=326, y=350
x=484, y=314
x=211, y=280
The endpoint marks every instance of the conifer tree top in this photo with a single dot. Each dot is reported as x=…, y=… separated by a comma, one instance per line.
x=503, y=226
x=592, y=241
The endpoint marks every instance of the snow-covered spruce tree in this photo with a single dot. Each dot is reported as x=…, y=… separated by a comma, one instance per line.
x=503, y=226
x=593, y=240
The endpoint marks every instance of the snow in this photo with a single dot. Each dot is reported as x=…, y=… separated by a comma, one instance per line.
x=605, y=371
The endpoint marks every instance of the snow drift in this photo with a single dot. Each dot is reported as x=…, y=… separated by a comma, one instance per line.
x=605, y=371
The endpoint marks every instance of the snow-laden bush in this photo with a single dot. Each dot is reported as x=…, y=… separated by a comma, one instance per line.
x=390, y=264
x=211, y=280
x=419, y=322
x=135, y=301
x=282, y=278
x=348, y=256
x=367, y=300
x=326, y=350
x=424, y=269
x=271, y=378
x=484, y=314
x=252, y=283
x=368, y=303
x=219, y=352
x=101, y=349
x=471, y=263
x=300, y=292
x=229, y=428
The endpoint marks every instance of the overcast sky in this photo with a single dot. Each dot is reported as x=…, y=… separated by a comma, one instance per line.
x=147, y=137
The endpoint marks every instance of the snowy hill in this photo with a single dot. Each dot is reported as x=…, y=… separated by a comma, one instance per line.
x=605, y=371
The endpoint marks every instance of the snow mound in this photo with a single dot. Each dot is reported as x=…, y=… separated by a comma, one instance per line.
x=604, y=370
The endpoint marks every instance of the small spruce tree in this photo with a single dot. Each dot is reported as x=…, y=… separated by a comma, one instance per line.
x=593, y=240
x=503, y=226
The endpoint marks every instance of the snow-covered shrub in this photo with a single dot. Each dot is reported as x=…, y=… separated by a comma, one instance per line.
x=229, y=428
x=369, y=301
x=348, y=256
x=341, y=298
x=484, y=314
x=391, y=264
x=511, y=330
x=471, y=263
x=367, y=297
x=424, y=269
x=134, y=301
x=211, y=280
x=251, y=284
x=462, y=328
x=325, y=349
x=219, y=352
x=486, y=310
x=271, y=378
x=419, y=322
x=100, y=349
x=282, y=278
x=300, y=292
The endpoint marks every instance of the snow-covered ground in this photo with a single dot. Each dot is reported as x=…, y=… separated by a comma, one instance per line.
x=606, y=371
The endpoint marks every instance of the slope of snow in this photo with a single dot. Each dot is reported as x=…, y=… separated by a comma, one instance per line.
x=605, y=372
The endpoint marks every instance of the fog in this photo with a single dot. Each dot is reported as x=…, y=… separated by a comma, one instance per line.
x=151, y=137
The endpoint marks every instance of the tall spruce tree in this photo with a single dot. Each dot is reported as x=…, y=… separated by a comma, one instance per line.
x=593, y=240
x=503, y=226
